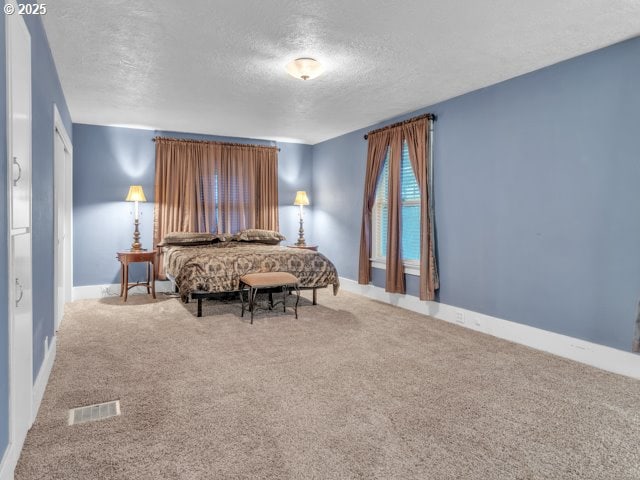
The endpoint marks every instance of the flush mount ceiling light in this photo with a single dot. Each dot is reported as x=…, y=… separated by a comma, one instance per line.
x=305, y=68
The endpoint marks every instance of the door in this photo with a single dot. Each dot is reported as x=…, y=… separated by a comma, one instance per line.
x=19, y=79
x=21, y=336
x=18, y=70
x=62, y=219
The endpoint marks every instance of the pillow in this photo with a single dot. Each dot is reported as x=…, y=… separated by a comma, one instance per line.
x=188, y=238
x=270, y=237
x=225, y=237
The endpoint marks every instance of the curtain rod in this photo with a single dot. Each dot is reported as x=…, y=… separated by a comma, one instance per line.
x=229, y=144
x=428, y=116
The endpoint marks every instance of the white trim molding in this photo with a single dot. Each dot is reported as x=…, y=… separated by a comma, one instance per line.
x=67, y=246
x=8, y=465
x=113, y=290
x=40, y=385
x=411, y=267
x=593, y=354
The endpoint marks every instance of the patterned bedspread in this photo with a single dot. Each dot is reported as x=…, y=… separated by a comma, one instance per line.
x=218, y=267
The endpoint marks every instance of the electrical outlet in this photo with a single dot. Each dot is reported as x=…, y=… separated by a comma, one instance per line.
x=477, y=322
x=460, y=317
x=105, y=291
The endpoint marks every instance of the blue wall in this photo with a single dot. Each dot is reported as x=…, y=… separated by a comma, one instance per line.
x=109, y=159
x=46, y=91
x=4, y=285
x=537, y=192
x=535, y=197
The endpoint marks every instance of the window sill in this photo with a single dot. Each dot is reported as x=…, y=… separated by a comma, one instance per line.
x=411, y=267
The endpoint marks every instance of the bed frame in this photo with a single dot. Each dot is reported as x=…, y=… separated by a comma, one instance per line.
x=201, y=295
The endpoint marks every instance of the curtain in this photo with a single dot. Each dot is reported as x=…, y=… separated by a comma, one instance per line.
x=213, y=187
x=636, y=338
x=267, y=190
x=377, y=150
x=395, y=266
x=415, y=134
x=181, y=189
x=236, y=190
x=247, y=188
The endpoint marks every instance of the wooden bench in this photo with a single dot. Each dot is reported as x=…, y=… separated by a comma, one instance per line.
x=268, y=282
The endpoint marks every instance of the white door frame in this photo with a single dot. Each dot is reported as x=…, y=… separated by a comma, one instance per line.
x=20, y=347
x=66, y=189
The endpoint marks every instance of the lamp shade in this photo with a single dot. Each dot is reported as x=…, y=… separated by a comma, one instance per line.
x=305, y=68
x=136, y=194
x=301, y=198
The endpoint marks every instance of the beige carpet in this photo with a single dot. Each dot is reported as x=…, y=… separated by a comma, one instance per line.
x=353, y=389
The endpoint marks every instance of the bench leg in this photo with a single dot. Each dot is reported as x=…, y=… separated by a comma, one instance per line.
x=242, y=300
x=199, y=306
x=253, y=292
x=315, y=296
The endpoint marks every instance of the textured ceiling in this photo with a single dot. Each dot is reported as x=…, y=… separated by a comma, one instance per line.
x=218, y=67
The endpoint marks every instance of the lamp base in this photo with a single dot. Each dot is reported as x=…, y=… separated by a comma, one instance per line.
x=136, y=246
x=301, y=242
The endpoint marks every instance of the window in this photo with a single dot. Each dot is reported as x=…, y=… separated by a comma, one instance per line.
x=410, y=212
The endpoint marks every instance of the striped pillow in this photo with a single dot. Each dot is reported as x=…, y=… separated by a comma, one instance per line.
x=188, y=238
x=270, y=237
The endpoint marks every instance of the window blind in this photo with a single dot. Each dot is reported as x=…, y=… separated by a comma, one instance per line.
x=410, y=212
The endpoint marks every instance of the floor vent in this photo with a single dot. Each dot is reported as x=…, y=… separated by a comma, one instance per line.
x=92, y=413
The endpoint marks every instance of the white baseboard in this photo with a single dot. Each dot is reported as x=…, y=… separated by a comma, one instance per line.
x=8, y=464
x=599, y=356
x=42, y=379
x=111, y=290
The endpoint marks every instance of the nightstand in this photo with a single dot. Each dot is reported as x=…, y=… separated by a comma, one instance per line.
x=141, y=256
x=306, y=247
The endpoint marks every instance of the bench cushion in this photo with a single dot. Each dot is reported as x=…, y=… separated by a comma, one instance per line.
x=269, y=279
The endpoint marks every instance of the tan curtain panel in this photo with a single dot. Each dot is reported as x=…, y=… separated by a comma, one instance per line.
x=247, y=188
x=236, y=190
x=181, y=169
x=415, y=134
x=636, y=337
x=267, y=190
x=395, y=267
x=377, y=150
x=213, y=187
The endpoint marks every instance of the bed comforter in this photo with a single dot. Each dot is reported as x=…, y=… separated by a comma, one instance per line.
x=218, y=267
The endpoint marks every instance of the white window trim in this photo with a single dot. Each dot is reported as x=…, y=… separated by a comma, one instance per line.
x=411, y=267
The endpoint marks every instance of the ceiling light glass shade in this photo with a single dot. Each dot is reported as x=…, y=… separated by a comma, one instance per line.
x=301, y=198
x=305, y=68
x=136, y=194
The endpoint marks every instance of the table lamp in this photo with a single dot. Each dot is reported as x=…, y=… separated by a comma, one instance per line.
x=301, y=199
x=136, y=194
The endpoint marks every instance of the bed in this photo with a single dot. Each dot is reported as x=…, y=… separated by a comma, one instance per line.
x=202, y=271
